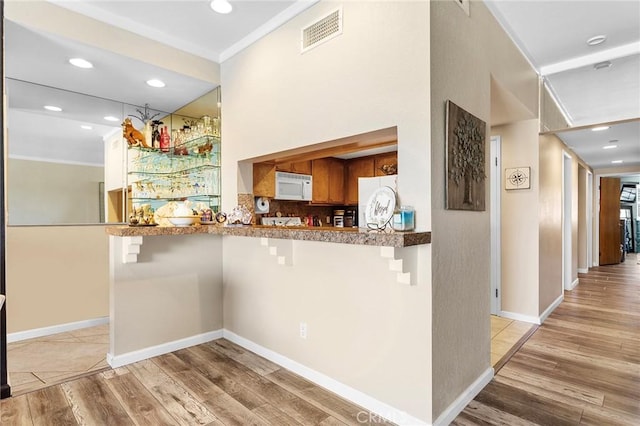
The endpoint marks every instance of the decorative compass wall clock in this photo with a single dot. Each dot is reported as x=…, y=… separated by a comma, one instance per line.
x=517, y=178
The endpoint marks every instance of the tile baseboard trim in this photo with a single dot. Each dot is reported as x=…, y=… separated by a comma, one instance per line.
x=55, y=329
x=374, y=408
x=116, y=361
x=452, y=411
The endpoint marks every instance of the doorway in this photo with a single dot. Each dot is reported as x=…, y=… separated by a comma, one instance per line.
x=567, y=254
x=496, y=253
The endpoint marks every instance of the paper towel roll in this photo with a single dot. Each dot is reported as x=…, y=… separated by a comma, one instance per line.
x=262, y=205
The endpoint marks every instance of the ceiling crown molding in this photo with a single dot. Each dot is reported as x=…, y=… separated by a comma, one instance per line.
x=593, y=58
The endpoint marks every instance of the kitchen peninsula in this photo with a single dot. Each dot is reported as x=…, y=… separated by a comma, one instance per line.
x=166, y=283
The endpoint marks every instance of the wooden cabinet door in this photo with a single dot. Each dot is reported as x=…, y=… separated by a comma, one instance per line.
x=328, y=181
x=264, y=180
x=609, y=221
x=388, y=162
x=302, y=167
x=356, y=168
x=336, y=181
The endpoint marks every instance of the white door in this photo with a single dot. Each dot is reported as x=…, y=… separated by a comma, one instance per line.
x=496, y=253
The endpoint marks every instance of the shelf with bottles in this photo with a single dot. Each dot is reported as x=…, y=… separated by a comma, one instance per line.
x=200, y=150
x=177, y=185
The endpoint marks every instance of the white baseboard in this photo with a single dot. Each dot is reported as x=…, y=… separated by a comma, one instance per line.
x=551, y=308
x=164, y=348
x=465, y=398
x=573, y=284
x=520, y=317
x=583, y=270
x=55, y=329
x=373, y=406
x=534, y=320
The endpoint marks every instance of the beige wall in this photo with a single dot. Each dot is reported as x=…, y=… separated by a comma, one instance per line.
x=365, y=329
x=519, y=229
x=551, y=117
x=173, y=292
x=373, y=76
x=56, y=275
x=466, y=52
x=583, y=263
x=42, y=193
x=550, y=210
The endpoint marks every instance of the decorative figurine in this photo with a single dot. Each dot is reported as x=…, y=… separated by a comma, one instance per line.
x=132, y=135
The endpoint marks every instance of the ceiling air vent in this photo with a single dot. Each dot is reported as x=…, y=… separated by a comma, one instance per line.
x=323, y=30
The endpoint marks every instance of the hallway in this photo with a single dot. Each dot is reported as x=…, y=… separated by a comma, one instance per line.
x=582, y=366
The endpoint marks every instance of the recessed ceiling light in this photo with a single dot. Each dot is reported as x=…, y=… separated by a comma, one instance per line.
x=52, y=108
x=85, y=127
x=616, y=162
x=154, y=82
x=594, y=41
x=80, y=63
x=221, y=6
x=599, y=128
x=609, y=146
x=111, y=118
x=602, y=65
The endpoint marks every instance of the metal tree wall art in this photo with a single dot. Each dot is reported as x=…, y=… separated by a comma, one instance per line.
x=465, y=160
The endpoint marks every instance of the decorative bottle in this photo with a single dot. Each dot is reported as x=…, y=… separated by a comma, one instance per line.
x=165, y=140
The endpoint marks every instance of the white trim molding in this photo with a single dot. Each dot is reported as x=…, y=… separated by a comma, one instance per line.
x=456, y=407
x=551, y=308
x=55, y=329
x=520, y=317
x=374, y=407
x=164, y=348
x=573, y=284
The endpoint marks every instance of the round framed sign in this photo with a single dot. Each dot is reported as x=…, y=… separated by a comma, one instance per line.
x=380, y=207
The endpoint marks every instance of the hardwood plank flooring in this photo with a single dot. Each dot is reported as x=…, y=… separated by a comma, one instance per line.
x=216, y=383
x=581, y=367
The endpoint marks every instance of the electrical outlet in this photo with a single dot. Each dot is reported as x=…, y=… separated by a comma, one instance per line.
x=303, y=330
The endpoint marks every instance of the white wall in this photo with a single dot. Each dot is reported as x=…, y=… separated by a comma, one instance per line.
x=373, y=76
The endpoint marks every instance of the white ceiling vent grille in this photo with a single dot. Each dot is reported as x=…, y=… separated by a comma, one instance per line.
x=322, y=31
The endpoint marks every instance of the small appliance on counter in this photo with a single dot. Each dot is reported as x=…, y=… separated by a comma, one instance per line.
x=338, y=218
x=281, y=221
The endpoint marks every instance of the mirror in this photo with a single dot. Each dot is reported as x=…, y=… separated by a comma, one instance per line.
x=69, y=167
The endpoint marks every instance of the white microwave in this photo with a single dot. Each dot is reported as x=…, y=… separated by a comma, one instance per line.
x=293, y=186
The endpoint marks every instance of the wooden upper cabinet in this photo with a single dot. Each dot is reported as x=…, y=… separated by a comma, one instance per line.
x=302, y=167
x=328, y=181
x=386, y=164
x=356, y=168
x=264, y=180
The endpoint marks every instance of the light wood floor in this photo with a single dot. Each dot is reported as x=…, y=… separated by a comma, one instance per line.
x=581, y=367
x=507, y=336
x=216, y=383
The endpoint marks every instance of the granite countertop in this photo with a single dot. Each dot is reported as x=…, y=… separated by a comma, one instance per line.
x=325, y=234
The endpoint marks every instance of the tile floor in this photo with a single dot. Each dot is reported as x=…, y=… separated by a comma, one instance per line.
x=37, y=363
x=505, y=333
